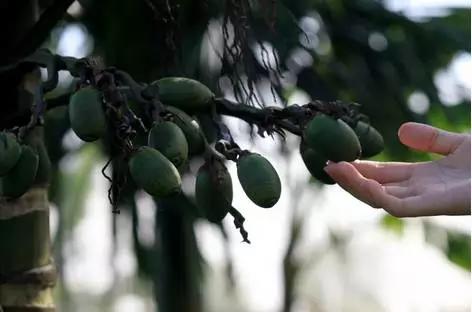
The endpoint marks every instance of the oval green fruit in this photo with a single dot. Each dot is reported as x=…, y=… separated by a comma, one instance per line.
x=86, y=114
x=190, y=128
x=10, y=152
x=154, y=173
x=259, y=180
x=187, y=94
x=371, y=140
x=21, y=177
x=168, y=139
x=315, y=164
x=332, y=138
x=213, y=193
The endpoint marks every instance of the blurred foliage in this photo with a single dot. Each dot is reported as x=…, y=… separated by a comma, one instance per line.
x=393, y=224
x=338, y=49
x=458, y=249
x=455, y=245
x=344, y=65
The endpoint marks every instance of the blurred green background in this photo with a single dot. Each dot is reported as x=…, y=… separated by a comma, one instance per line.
x=318, y=249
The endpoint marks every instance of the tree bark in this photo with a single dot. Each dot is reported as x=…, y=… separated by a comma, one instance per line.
x=27, y=274
x=178, y=277
x=26, y=271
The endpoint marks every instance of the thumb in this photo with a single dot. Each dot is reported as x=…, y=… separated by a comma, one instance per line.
x=429, y=139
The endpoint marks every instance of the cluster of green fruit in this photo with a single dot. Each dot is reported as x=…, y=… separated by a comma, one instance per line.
x=156, y=167
x=326, y=138
x=174, y=139
x=21, y=165
x=214, y=188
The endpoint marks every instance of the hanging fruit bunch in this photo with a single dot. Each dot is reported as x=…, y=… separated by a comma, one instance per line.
x=178, y=120
x=333, y=135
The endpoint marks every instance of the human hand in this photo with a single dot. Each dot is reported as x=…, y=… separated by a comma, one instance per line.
x=440, y=187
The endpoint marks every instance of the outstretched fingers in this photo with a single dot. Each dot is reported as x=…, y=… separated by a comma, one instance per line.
x=367, y=190
x=385, y=172
x=398, y=201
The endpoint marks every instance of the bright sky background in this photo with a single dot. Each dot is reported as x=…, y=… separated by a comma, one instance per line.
x=402, y=274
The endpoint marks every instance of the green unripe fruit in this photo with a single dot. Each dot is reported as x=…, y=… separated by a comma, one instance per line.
x=191, y=130
x=9, y=152
x=21, y=177
x=154, y=173
x=168, y=139
x=332, y=138
x=371, y=140
x=259, y=180
x=213, y=193
x=187, y=94
x=86, y=114
x=315, y=164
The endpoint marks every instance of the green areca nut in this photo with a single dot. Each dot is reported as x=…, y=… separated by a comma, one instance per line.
x=315, y=164
x=184, y=93
x=259, y=180
x=190, y=128
x=86, y=114
x=154, y=173
x=21, y=177
x=10, y=152
x=332, y=138
x=168, y=139
x=371, y=140
x=213, y=193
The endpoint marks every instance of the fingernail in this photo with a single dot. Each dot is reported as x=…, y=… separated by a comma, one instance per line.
x=328, y=165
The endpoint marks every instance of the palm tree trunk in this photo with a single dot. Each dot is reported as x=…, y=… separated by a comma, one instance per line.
x=178, y=270
x=27, y=274
x=26, y=271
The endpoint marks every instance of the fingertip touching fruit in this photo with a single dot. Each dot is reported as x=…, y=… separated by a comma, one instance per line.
x=190, y=128
x=154, y=173
x=184, y=93
x=21, y=177
x=332, y=138
x=259, y=180
x=371, y=140
x=214, y=192
x=315, y=164
x=10, y=152
x=86, y=114
x=168, y=139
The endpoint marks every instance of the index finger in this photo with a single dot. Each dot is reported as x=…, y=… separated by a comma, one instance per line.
x=385, y=172
x=367, y=190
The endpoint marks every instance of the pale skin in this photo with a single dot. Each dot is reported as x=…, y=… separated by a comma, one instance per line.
x=440, y=187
